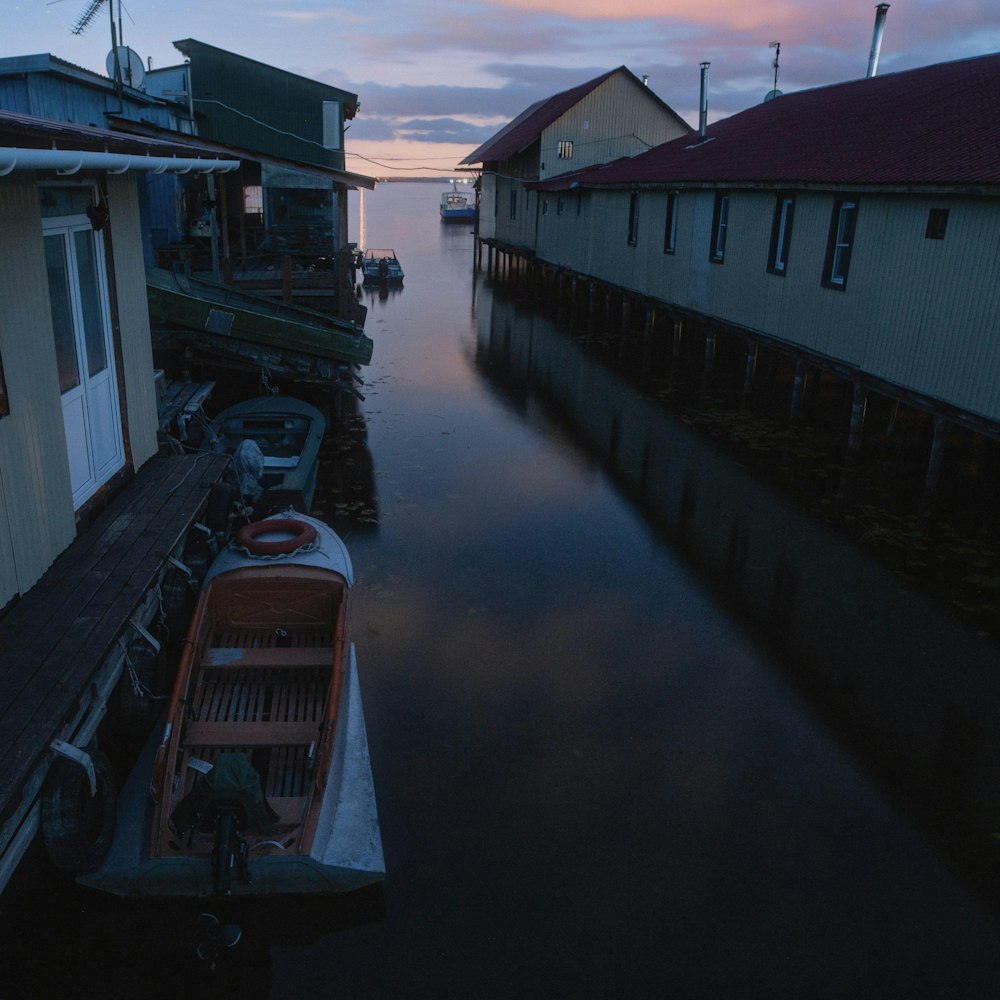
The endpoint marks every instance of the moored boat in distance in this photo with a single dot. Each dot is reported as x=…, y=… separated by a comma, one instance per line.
x=275, y=441
x=457, y=206
x=381, y=266
x=259, y=782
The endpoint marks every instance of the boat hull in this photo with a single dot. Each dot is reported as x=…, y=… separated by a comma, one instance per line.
x=347, y=853
x=244, y=690
x=224, y=311
x=289, y=432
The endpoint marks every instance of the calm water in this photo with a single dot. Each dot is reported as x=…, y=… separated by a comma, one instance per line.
x=591, y=782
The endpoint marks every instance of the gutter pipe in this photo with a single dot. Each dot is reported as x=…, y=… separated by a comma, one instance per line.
x=67, y=161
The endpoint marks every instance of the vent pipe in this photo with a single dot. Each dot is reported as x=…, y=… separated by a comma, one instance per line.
x=880, y=12
x=703, y=113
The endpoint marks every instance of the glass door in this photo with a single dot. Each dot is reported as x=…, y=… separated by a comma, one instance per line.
x=84, y=354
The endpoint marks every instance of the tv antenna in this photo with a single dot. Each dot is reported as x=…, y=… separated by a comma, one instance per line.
x=86, y=18
x=777, y=55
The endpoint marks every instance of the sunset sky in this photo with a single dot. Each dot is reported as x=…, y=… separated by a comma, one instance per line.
x=437, y=78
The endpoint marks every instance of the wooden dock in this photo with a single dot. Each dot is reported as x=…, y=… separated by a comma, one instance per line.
x=60, y=654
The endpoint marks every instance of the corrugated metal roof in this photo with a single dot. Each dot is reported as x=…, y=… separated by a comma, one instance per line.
x=36, y=133
x=935, y=125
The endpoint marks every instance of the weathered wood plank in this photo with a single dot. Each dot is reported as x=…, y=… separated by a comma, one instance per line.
x=272, y=656
x=55, y=639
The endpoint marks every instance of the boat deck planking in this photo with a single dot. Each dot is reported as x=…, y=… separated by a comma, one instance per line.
x=54, y=640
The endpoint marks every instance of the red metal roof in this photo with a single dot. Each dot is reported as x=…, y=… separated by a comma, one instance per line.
x=935, y=125
x=520, y=133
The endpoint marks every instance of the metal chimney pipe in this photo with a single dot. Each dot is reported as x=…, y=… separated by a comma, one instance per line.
x=703, y=114
x=880, y=12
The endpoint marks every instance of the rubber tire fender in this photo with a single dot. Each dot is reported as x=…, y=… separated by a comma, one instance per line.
x=77, y=827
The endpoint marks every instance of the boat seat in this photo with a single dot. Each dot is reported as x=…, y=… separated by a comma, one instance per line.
x=251, y=734
x=273, y=656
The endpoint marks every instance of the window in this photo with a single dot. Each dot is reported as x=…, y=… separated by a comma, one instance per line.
x=937, y=223
x=565, y=149
x=670, y=230
x=781, y=234
x=720, y=227
x=513, y=203
x=560, y=205
x=633, y=219
x=253, y=199
x=838, y=251
x=545, y=206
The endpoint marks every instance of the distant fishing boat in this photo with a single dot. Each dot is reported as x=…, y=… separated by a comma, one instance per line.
x=381, y=266
x=259, y=782
x=227, y=312
x=457, y=206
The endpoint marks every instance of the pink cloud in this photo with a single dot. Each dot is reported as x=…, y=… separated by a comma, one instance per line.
x=733, y=14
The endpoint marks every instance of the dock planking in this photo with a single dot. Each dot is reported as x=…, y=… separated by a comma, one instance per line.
x=55, y=638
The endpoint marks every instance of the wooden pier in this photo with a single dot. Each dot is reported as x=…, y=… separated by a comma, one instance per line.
x=62, y=646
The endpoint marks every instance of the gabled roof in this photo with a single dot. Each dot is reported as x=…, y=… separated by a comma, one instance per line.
x=520, y=133
x=935, y=125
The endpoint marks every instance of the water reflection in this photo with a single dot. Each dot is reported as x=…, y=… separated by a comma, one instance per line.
x=872, y=651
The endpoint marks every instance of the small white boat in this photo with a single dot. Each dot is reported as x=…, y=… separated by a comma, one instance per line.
x=287, y=433
x=381, y=266
x=457, y=206
x=259, y=782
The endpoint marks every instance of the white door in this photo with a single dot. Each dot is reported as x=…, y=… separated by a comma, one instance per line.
x=84, y=354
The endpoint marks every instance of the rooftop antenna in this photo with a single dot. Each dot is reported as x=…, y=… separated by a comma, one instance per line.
x=774, y=92
x=84, y=21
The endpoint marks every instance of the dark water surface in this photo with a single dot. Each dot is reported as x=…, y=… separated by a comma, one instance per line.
x=591, y=781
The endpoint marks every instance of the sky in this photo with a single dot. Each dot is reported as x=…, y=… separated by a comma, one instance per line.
x=436, y=78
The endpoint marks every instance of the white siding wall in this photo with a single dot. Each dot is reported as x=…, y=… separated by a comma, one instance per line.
x=133, y=316
x=36, y=505
x=917, y=312
x=618, y=118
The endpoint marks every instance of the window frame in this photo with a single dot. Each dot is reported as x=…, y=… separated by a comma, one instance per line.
x=4, y=397
x=565, y=151
x=937, y=224
x=670, y=224
x=720, y=227
x=633, y=218
x=781, y=233
x=840, y=243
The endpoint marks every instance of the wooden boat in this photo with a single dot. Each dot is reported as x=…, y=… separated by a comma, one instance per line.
x=260, y=781
x=228, y=312
x=287, y=431
x=381, y=266
x=457, y=206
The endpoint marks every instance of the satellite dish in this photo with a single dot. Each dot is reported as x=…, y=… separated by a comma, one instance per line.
x=130, y=61
x=769, y=96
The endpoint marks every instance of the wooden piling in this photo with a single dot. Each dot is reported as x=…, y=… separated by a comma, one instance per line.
x=941, y=429
x=798, y=387
x=858, y=408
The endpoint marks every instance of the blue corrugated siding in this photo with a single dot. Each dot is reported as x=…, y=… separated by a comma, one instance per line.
x=14, y=96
